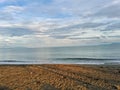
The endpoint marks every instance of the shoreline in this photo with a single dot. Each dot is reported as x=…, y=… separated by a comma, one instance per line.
x=29, y=64
x=59, y=77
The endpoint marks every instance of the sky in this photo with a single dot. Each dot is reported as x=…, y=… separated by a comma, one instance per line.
x=48, y=23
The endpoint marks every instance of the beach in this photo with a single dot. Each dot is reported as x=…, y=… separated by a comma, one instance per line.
x=59, y=77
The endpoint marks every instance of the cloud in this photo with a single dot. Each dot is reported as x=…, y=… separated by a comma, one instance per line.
x=12, y=9
x=111, y=10
x=32, y=41
x=15, y=31
x=113, y=26
x=5, y=16
x=59, y=23
x=56, y=33
x=10, y=13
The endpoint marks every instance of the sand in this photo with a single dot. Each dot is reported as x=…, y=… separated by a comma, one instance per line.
x=59, y=77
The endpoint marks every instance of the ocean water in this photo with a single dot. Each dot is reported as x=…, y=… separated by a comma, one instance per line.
x=105, y=54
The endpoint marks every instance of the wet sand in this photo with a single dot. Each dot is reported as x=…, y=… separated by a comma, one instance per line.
x=59, y=77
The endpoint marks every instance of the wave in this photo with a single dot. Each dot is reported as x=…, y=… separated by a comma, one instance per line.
x=84, y=59
x=12, y=61
x=64, y=61
x=61, y=59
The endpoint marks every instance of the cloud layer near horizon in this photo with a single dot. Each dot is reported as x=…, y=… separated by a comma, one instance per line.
x=38, y=23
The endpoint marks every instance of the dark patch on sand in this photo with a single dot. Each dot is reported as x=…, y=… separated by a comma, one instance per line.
x=48, y=87
x=4, y=88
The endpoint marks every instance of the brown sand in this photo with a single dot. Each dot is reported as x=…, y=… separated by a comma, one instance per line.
x=59, y=77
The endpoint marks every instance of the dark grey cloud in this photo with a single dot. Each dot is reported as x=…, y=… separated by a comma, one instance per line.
x=15, y=31
x=67, y=35
x=6, y=16
x=112, y=27
x=60, y=36
x=87, y=38
x=111, y=11
x=72, y=28
x=67, y=31
x=91, y=25
x=117, y=36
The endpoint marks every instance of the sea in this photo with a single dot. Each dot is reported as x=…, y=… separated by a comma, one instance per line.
x=99, y=54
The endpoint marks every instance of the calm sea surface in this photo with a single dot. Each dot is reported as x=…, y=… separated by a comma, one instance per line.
x=61, y=55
